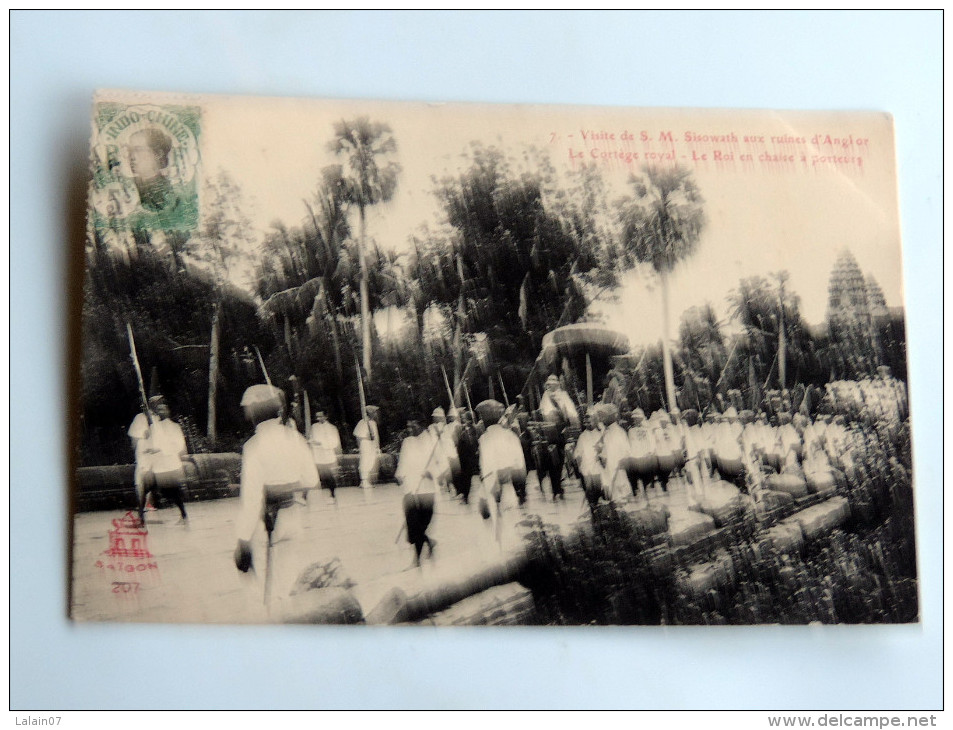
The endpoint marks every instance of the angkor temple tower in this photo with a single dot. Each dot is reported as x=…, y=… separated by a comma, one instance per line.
x=855, y=306
x=875, y=298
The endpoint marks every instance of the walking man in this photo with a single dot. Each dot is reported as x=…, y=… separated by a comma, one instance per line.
x=441, y=437
x=421, y=459
x=616, y=452
x=468, y=452
x=501, y=460
x=276, y=463
x=643, y=465
x=368, y=445
x=558, y=413
x=325, y=442
x=589, y=459
x=164, y=446
x=139, y=436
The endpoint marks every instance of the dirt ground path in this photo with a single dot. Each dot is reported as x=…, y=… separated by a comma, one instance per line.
x=190, y=575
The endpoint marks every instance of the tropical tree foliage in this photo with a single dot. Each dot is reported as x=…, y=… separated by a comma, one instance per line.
x=369, y=176
x=702, y=354
x=661, y=225
x=760, y=307
x=223, y=248
x=170, y=312
x=521, y=249
x=511, y=263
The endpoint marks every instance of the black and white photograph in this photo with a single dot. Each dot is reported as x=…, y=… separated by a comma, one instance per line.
x=387, y=363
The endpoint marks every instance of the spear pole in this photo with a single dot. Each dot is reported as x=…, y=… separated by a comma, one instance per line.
x=466, y=392
x=503, y=388
x=135, y=363
x=262, y=363
x=360, y=388
x=463, y=379
x=446, y=382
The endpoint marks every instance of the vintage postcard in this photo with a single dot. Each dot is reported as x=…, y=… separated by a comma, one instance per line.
x=415, y=363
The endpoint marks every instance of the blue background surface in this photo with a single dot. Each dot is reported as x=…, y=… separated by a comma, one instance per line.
x=835, y=60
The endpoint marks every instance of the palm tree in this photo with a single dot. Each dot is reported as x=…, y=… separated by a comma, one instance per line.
x=661, y=226
x=775, y=332
x=331, y=229
x=703, y=346
x=370, y=174
x=782, y=277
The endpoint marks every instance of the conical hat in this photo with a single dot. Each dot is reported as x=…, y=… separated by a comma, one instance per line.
x=659, y=416
x=491, y=411
x=690, y=416
x=606, y=413
x=262, y=402
x=263, y=395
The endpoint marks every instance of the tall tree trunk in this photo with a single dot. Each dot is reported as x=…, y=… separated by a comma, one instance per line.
x=458, y=339
x=782, y=341
x=666, y=345
x=335, y=342
x=754, y=397
x=287, y=331
x=177, y=241
x=458, y=347
x=338, y=360
x=365, y=302
x=213, y=372
x=588, y=381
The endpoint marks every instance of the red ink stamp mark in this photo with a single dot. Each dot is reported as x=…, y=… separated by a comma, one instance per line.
x=129, y=538
x=128, y=553
x=124, y=587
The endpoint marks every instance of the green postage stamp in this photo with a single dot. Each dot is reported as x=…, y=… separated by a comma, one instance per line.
x=145, y=169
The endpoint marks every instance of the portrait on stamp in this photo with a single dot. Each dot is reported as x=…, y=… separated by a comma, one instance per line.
x=148, y=158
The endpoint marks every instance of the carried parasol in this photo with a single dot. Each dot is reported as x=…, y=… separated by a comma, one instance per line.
x=587, y=346
x=583, y=337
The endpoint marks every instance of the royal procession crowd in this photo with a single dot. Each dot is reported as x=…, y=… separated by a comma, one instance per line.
x=617, y=453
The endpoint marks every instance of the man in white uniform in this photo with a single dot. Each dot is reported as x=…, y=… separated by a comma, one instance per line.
x=589, y=458
x=668, y=448
x=325, y=442
x=421, y=459
x=556, y=405
x=616, y=451
x=643, y=465
x=369, y=447
x=501, y=459
x=559, y=414
x=441, y=436
x=276, y=463
x=164, y=446
x=139, y=436
x=696, y=465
